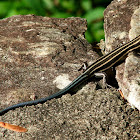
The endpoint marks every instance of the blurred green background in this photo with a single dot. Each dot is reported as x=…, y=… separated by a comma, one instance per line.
x=92, y=10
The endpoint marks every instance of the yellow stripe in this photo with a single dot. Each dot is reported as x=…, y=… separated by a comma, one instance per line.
x=114, y=54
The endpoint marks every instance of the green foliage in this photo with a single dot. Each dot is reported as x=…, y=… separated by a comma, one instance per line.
x=92, y=10
x=94, y=14
x=95, y=24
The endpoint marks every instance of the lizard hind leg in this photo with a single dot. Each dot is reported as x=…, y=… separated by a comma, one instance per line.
x=103, y=76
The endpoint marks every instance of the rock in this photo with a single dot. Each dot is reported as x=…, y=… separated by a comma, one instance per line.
x=39, y=52
x=36, y=51
x=122, y=20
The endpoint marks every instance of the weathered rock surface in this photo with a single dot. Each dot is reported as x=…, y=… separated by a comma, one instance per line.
x=37, y=53
x=122, y=23
x=117, y=22
x=39, y=56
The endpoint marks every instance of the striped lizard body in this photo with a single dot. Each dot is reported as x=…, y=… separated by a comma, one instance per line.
x=101, y=65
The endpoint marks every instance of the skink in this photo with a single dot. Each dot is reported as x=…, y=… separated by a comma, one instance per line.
x=101, y=65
